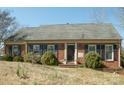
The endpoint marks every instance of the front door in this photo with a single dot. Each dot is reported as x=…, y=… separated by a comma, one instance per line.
x=70, y=52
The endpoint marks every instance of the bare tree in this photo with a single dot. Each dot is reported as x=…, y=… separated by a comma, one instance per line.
x=119, y=14
x=7, y=25
x=99, y=15
x=120, y=17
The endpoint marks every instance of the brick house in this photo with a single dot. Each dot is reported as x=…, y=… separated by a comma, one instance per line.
x=69, y=42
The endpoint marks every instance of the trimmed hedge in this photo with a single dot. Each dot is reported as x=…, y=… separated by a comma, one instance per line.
x=93, y=60
x=122, y=61
x=7, y=58
x=18, y=59
x=122, y=58
x=32, y=57
x=1, y=58
x=48, y=58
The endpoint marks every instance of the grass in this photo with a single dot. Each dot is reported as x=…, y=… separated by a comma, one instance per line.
x=41, y=74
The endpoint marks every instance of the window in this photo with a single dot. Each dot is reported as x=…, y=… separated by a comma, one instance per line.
x=30, y=48
x=109, y=52
x=51, y=48
x=15, y=50
x=36, y=48
x=91, y=48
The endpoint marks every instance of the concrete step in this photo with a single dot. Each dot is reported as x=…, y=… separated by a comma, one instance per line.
x=68, y=65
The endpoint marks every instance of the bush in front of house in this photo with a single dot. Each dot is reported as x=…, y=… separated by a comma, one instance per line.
x=7, y=58
x=93, y=60
x=18, y=59
x=32, y=57
x=3, y=58
x=36, y=58
x=122, y=61
x=49, y=58
x=122, y=58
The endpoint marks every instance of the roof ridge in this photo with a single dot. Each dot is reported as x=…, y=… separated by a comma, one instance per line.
x=29, y=27
x=77, y=24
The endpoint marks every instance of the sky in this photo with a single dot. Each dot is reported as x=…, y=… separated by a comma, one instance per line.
x=58, y=15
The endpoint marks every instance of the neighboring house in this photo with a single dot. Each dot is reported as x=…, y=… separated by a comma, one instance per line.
x=69, y=42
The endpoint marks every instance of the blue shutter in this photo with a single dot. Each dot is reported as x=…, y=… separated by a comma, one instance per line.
x=44, y=48
x=103, y=52
x=86, y=48
x=41, y=49
x=30, y=48
x=98, y=49
x=115, y=52
x=115, y=47
x=19, y=49
x=56, y=49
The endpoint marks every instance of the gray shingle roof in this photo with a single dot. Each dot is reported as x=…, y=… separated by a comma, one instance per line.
x=67, y=32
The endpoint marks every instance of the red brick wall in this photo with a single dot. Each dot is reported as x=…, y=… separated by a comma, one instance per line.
x=22, y=50
x=7, y=49
x=111, y=64
x=8, y=46
x=60, y=53
x=80, y=49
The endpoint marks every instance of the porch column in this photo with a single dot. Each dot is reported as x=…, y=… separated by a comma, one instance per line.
x=65, y=54
x=119, y=51
x=75, y=54
x=26, y=48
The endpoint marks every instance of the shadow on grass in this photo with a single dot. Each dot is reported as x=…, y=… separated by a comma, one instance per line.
x=119, y=71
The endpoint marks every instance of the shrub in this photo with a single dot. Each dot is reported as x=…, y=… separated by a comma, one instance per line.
x=27, y=57
x=7, y=58
x=122, y=59
x=37, y=58
x=32, y=57
x=2, y=58
x=93, y=60
x=22, y=72
x=49, y=58
x=18, y=59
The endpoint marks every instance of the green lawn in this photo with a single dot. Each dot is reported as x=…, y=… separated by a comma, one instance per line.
x=40, y=74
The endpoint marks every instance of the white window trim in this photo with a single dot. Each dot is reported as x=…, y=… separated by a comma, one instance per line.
x=52, y=46
x=91, y=45
x=112, y=53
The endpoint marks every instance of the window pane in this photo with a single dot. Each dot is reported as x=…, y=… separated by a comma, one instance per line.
x=51, y=48
x=109, y=51
x=92, y=48
x=108, y=55
x=36, y=48
x=16, y=51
